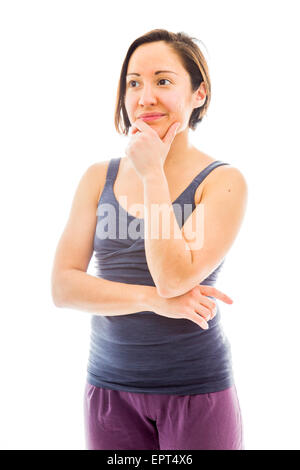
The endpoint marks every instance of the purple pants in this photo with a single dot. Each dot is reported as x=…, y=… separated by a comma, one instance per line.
x=118, y=420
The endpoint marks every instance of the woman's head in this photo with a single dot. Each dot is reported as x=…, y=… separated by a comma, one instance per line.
x=183, y=95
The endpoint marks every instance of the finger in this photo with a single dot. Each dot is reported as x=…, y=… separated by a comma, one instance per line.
x=203, y=311
x=170, y=135
x=143, y=126
x=214, y=312
x=206, y=301
x=221, y=296
x=134, y=130
x=213, y=292
x=198, y=319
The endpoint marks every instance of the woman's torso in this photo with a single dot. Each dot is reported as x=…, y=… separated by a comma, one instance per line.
x=145, y=352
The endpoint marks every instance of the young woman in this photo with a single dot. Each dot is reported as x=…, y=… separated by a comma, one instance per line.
x=159, y=373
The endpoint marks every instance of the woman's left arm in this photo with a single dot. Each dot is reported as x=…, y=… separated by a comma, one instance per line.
x=180, y=259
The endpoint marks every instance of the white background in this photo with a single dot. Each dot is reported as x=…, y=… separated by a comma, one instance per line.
x=61, y=62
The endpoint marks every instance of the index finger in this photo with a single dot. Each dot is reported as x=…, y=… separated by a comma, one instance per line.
x=214, y=292
x=142, y=125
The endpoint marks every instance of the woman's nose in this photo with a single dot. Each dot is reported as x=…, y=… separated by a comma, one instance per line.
x=147, y=96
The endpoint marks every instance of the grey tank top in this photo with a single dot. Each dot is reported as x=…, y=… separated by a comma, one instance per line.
x=145, y=352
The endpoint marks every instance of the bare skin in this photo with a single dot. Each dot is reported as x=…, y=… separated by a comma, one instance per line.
x=134, y=192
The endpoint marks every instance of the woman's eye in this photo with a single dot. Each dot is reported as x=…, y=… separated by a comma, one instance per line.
x=131, y=81
x=164, y=79
x=134, y=81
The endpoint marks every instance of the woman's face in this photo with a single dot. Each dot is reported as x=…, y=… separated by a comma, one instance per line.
x=166, y=92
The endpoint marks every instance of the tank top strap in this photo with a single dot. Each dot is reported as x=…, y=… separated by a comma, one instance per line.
x=112, y=169
x=203, y=174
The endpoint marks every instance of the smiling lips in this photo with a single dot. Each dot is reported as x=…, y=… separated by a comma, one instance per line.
x=151, y=117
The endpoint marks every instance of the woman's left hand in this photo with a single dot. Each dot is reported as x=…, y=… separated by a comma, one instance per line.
x=146, y=150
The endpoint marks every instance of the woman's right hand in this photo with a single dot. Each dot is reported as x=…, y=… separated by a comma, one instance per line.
x=194, y=305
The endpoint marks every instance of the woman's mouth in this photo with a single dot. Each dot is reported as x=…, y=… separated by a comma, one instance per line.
x=153, y=118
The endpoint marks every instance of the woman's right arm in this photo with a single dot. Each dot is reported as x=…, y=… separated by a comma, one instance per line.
x=73, y=288
x=81, y=291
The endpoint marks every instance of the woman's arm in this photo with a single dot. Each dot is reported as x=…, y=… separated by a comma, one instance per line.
x=71, y=286
x=179, y=264
x=78, y=290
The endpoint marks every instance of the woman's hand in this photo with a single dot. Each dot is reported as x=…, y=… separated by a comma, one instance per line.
x=146, y=150
x=194, y=305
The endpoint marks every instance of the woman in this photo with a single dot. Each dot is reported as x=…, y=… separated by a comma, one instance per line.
x=159, y=372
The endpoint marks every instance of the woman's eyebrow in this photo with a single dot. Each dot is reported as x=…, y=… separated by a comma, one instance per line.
x=155, y=73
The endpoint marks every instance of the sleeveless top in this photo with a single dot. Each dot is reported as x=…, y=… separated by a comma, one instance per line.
x=146, y=352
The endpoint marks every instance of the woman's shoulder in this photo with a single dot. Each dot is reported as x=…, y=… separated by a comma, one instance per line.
x=98, y=167
x=96, y=173
x=225, y=169
x=226, y=174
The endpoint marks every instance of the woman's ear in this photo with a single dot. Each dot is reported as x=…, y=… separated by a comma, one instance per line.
x=200, y=95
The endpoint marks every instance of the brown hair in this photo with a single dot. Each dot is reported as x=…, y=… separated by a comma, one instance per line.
x=192, y=60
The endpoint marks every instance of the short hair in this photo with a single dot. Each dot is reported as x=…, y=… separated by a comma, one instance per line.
x=192, y=60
